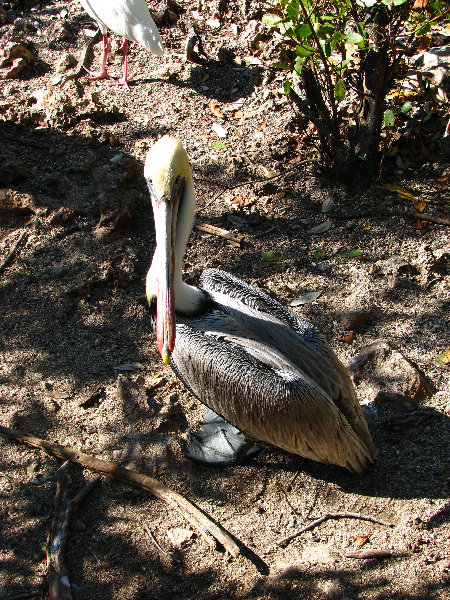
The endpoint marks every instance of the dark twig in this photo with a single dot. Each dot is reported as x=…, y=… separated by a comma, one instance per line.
x=158, y=545
x=339, y=515
x=58, y=573
x=416, y=215
x=233, y=186
x=50, y=476
x=11, y=253
x=190, y=512
x=80, y=69
x=34, y=594
x=373, y=554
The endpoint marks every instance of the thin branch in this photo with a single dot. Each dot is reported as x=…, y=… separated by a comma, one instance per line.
x=80, y=69
x=160, y=548
x=233, y=186
x=325, y=64
x=34, y=594
x=339, y=515
x=418, y=215
x=58, y=573
x=8, y=258
x=190, y=512
x=373, y=554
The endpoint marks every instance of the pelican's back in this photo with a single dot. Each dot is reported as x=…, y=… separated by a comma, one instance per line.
x=270, y=374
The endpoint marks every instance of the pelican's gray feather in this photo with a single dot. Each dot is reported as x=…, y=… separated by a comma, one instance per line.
x=270, y=374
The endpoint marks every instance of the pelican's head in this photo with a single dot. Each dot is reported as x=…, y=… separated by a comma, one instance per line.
x=167, y=173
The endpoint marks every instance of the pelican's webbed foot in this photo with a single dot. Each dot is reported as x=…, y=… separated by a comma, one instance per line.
x=218, y=443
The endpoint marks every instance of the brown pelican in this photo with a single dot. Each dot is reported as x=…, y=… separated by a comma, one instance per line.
x=131, y=20
x=247, y=357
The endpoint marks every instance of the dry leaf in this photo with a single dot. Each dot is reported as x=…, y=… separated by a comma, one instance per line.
x=361, y=540
x=444, y=358
x=348, y=339
x=421, y=206
x=327, y=205
x=263, y=126
x=367, y=226
x=238, y=114
x=306, y=298
x=266, y=172
x=322, y=227
x=401, y=191
x=215, y=110
x=421, y=224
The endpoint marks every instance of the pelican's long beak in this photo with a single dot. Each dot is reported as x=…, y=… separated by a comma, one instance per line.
x=165, y=214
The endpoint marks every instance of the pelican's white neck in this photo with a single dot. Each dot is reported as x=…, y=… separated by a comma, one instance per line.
x=166, y=162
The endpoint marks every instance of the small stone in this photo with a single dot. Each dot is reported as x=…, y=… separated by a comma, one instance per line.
x=355, y=318
x=14, y=50
x=329, y=589
x=33, y=467
x=220, y=131
x=179, y=536
x=66, y=62
x=12, y=171
x=17, y=67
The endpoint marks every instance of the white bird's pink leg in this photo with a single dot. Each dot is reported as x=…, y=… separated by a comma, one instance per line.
x=124, y=79
x=102, y=74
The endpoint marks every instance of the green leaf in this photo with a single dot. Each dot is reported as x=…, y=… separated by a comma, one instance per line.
x=389, y=118
x=424, y=29
x=271, y=20
x=272, y=256
x=283, y=66
x=406, y=107
x=444, y=358
x=319, y=255
x=353, y=37
x=303, y=52
x=339, y=90
x=287, y=87
x=292, y=10
x=299, y=62
x=303, y=31
x=217, y=145
x=350, y=253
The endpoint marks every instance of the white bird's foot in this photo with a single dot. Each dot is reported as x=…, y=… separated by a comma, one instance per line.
x=123, y=82
x=97, y=75
x=218, y=443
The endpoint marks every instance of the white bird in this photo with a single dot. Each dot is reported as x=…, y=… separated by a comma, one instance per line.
x=247, y=357
x=128, y=18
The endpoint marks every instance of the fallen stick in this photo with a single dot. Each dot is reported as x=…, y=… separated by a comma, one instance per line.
x=372, y=554
x=25, y=596
x=417, y=215
x=11, y=253
x=58, y=573
x=190, y=512
x=80, y=69
x=160, y=548
x=220, y=232
x=339, y=515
